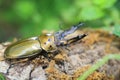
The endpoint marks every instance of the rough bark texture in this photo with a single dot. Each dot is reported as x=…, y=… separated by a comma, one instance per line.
x=69, y=63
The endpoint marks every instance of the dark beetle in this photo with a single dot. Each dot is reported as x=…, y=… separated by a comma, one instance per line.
x=47, y=42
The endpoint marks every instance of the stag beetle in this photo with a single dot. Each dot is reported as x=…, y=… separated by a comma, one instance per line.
x=47, y=42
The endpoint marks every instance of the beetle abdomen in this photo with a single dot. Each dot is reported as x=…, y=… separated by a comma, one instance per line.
x=23, y=48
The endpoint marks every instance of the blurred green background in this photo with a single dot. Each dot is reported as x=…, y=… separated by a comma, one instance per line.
x=26, y=18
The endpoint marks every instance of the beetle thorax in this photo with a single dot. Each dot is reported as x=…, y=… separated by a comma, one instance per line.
x=47, y=42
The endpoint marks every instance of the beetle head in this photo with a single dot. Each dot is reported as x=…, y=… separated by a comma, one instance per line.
x=47, y=42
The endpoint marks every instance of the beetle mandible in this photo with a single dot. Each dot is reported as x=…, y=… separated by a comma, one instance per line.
x=47, y=42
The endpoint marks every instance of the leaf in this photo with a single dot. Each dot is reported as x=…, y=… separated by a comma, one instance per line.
x=69, y=15
x=115, y=14
x=104, y=3
x=61, y=5
x=116, y=30
x=51, y=24
x=37, y=18
x=24, y=9
x=82, y=3
x=91, y=13
x=29, y=30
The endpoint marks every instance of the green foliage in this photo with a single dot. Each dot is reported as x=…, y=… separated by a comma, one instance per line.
x=24, y=9
x=98, y=64
x=116, y=30
x=33, y=16
x=91, y=13
x=104, y=3
x=2, y=77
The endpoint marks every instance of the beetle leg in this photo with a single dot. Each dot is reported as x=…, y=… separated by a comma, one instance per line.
x=45, y=54
x=11, y=65
x=31, y=72
x=15, y=62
